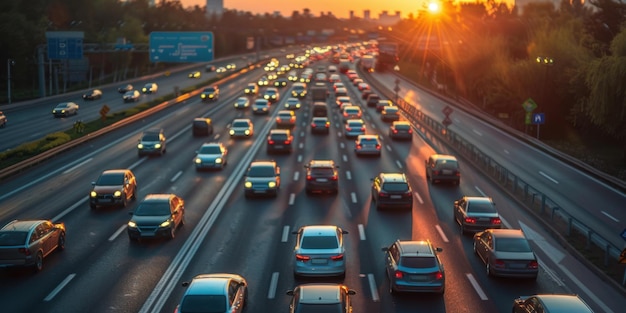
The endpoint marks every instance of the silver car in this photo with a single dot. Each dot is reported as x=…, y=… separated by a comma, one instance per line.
x=65, y=109
x=211, y=155
x=367, y=145
x=214, y=293
x=242, y=103
x=414, y=266
x=28, y=242
x=550, y=303
x=506, y=253
x=241, y=127
x=354, y=128
x=319, y=251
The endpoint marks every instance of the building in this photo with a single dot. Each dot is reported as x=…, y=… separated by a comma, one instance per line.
x=366, y=15
x=214, y=7
x=386, y=19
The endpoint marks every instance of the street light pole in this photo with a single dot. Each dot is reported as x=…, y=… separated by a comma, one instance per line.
x=10, y=62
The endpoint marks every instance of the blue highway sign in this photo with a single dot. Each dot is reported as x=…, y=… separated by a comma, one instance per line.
x=539, y=118
x=65, y=45
x=181, y=46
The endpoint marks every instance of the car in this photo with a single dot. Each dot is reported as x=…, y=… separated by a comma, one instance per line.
x=131, y=96
x=320, y=297
x=220, y=292
x=93, y=94
x=372, y=99
x=365, y=93
x=382, y=104
x=195, y=74
x=241, y=127
x=211, y=93
x=242, y=103
x=506, y=253
x=337, y=85
x=476, y=214
x=354, y=128
x=211, y=155
x=367, y=145
x=65, y=109
x=414, y=266
x=442, y=167
x=279, y=140
x=305, y=77
x=292, y=104
x=333, y=78
x=271, y=94
x=400, y=130
x=356, y=81
x=25, y=243
x=341, y=92
x=319, y=251
x=272, y=75
x=252, y=89
x=390, y=114
x=281, y=82
x=362, y=86
x=351, y=112
x=150, y=88
x=550, y=303
x=209, y=68
x=286, y=118
x=332, y=69
x=231, y=66
x=158, y=215
x=320, y=125
x=202, y=126
x=263, y=81
x=3, y=119
x=262, y=178
x=261, y=106
x=320, y=109
x=392, y=190
x=292, y=76
x=298, y=90
x=322, y=176
x=114, y=187
x=152, y=142
x=125, y=88
x=343, y=100
x=221, y=70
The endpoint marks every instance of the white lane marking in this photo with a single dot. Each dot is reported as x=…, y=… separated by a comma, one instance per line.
x=271, y=292
x=417, y=195
x=176, y=176
x=338, y=134
x=506, y=151
x=361, y=231
x=62, y=285
x=610, y=216
x=373, y=125
x=302, y=133
x=117, y=232
x=296, y=175
x=345, y=158
x=301, y=145
x=398, y=164
x=550, y=273
x=456, y=120
x=373, y=290
x=388, y=147
x=348, y=175
x=68, y=210
x=342, y=145
x=292, y=198
x=216, y=137
x=480, y=191
x=353, y=196
x=336, y=125
x=300, y=158
x=582, y=286
x=476, y=286
x=477, y=132
x=441, y=233
x=77, y=166
x=548, y=177
x=285, y=236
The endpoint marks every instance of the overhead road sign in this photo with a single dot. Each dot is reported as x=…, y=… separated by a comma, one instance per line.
x=65, y=45
x=181, y=47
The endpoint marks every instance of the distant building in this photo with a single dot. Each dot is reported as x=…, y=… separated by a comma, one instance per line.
x=386, y=19
x=214, y=7
x=366, y=14
x=351, y=14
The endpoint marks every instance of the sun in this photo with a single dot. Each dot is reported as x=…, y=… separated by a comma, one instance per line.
x=433, y=7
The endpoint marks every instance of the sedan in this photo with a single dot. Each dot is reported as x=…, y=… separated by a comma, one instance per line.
x=241, y=127
x=354, y=128
x=125, y=88
x=65, y=109
x=321, y=297
x=261, y=106
x=28, y=242
x=506, y=253
x=195, y=74
x=367, y=145
x=390, y=113
x=220, y=293
x=281, y=82
x=286, y=119
x=158, y=215
x=401, y=130
x=93, y=95
x=211, y=156
x=292, y=104
x=319, y=251
x=550, y=303
x=476, y=214
x=320, y=125
x=242, y=103
x=131, y=96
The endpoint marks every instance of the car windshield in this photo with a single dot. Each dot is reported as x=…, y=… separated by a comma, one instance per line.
x=62, y=105
x=319, y=121
x=113, y=179
x=150, y=137
x=240, y=124
x=203, y=304
x=209, y=89
x=210, y=150
x=352, y=111
x=319, y=308
x=512, y=245
x=480, y=207
x=242, y=101
x=12, y=238
x=261, y=171
x=260, y=103
x=270, y=92
x=319, y=242
x=153, y=209
x=418, y=262
x=396, y=186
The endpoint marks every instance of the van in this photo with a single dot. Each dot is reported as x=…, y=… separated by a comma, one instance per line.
x=320, y=109
x=202, y=126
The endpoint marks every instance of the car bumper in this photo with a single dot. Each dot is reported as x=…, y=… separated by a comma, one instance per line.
x=330, y=186
x=514, y=273
x=389, y=203
x=320, y=130
x=105, y=201
x=367, y=152
x=17, y=262
x=149, y=152
x=148, y=232
x=209, y=166
x=301, y=269
x=402, y=286
x=261, y=192
x=481, y=227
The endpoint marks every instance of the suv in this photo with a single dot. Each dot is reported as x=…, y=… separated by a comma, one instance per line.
x=319, y=251
x=320, y=298
x=202, y=126
x=210, y=93
x=279, y=140
x=152, y=142
x=262, y=178
x=286, y=118
x=392, y=190
x=476, y=214
x=28, y=242
x=321, y=176
x=150, y=88
x=441, y=167
x=158, y=215
x=413, y=266
x=113, y=187
x=401, y=130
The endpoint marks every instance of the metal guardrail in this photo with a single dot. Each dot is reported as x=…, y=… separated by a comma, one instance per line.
x=554, y=217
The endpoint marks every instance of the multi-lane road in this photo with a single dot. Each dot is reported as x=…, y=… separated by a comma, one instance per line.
x=101, y=271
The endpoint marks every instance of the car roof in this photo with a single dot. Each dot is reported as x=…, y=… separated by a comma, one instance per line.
x=321, y=163
x=319, y=293
x=401, y=123
x=157, y=197
x=261, y=101
x=319, y=230
x=279, y=131
x=507, y=233
x=563, y=303
x=367, y=137
x=210, y=284
x=443, y=157
x=355, y=121
x=478, y=199
x=21, y=225
x=419, y=248
x=262, y=163
x=242, y=120
x=288, y=112
x=393, y=177
x=212, y=144
x=114, y=171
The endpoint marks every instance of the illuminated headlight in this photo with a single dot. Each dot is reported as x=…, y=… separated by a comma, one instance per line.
x=248, y=91
x=202, y=96
x=231, y=132
x=271, y=184
x=266, y=97
x=273, y=96
x=286, y=105
x=198, y=160
x=132, y=224
x=218, y=161
x=297, y=105
x=62, y=111
x=157, y=146
x=247, y=132
x=165, y=224
x=117, y=194
x=144, y=89
x=93, y=194
x=140, y=146
x=211, y=96
x=247, y=184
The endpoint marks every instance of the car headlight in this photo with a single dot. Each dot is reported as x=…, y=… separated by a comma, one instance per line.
x=247, y=184
x=247, y=132
x=202, y=96
x=140, y=146
x=266, y=97
x=286, y=105
x=158, y=146
x=271, y=184
x=211, y=96
x=132, y=224
x=144, y=89
x=198, y=160
x=298, y=106
x=165, y=224
x=93, y=194
x=218, y=161
x=117, y=194
x=273, y=96
x=62, y=111
x=232, y=132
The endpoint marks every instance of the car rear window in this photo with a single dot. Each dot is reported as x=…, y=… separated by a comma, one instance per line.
x=203, y=304
x=355, y=124
x=395, y=186
x=447, y=164
x=279, y=136
x=512, y=245
x=261, y=171
x=322, y=171
x=368, y=141
x=481, y=207
x=352, y=111
x=402, y=126
x=319, y=242
x=418, y=262
x=199, y=123
x=13, y=238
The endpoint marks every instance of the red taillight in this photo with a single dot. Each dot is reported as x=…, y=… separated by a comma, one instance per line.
x=271, y=142
x=24, y=251
x=288, y=142
x=410, y=131
x=327, y=124
x=309, y=177
x=533, y=264
x=334, y=177
x=407, y=194
x=377, y=147
x=498, y=263
x=395, y=131
x=359, y=146
x=337, y=257
x=435, y=172
x=313, y=125
x=496, y=221
x=302, y=258
x=398, y=275
x=470, y=220
x=362, y=129
x=345, y=114
x=438, y=275
x=348, y=128
x=383, y=194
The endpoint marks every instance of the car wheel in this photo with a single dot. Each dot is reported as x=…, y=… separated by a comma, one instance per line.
x=38, y=262
x=488, y=268
x=61, y=242
x=475, y=251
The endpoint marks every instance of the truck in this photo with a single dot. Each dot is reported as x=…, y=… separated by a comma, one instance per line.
x=319, y=92
x=387, y=55
x=368, y=63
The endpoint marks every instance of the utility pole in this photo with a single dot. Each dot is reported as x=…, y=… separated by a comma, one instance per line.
x=10, y=62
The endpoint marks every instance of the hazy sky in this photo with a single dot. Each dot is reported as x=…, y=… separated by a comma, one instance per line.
x=340, y=8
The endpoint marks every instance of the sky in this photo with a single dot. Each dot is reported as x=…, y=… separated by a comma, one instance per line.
x=340, y=8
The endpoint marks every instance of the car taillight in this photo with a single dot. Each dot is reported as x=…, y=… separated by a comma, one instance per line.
x=271, y=142
x=334, y=177
x=359, y=146
x=395, y=131
x=362, y=129
x=377, y=147
x=470, y=220
x=435, y=172
x=309, y=177
x=499, y=263
x=533, y=264
x=288, y=141
x=407, y=193
x=313, y=125
x=24, y=251
x=293, y=119
x=303, y=258
x=337, y=257
x=496, y=221
x=438, y=275
x=383, y=194
x=398, y=274
x=348, y=128
x=410, y=131
x=278, y=119
x=345, y=114
x=327, y=124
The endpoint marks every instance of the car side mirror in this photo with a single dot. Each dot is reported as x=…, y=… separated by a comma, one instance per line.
x=93, y=183
x=345, y=232
x=185, y=284
x=351, y=292
x=456, y=202
x=289, y=292
x=438, y=249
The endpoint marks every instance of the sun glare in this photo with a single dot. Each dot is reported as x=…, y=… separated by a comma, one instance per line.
x=433, y=7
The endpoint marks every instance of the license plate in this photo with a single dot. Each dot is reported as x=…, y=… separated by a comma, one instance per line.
x=517, y=265
x=395, y=197
x=322, y=180
x=446, y=172
x=106, y=200
x=319, y=261
x=278, y=146
x=369, y=146
x=259, y=191
x=418, y=278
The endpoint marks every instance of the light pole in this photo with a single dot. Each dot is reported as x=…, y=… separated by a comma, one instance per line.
x=10, y=62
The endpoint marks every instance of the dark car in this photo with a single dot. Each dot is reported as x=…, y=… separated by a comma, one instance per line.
x=25, y=243
x=93, y=94
x=279, y=140
x=299, y=90
x=372, y=99
x=367, y=145
x=392, y=190
x=211, y=155
x=320, y=125
x=383, y=103
x=65, y=109
x=506, y=253
x=414, y=266
x=320, y=109
x=195, y=74
x=476, y=214
x=401, y=130
x=209, y=68
x=281, y=82
x=320, y=297
x=158, y=215
x=150, y=88
x=286, y=119
x=262, y=178
x=390, y=113
x=271, y=94
x=441, y=167
x=322, y=176
x=202, y=126
x=251, y=89
x=113, y=188
x=152, y=142
x=210, y=93
x=222, y=293
x=125, y=88
x=365, y=93
x=550, y=303
x=131, y=96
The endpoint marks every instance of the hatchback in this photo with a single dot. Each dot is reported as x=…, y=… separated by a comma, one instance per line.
x=550, y=303
x=93, y=94
x=414, y=266
x=506, y=253
x=354, y=128
x=441, y=167
x=319, y=251
x=322, y=176
x=219, y=293
x=367, y=145
x=262, y=178
x=211, y=155
x=152, y=142
x=401, y=130
x=158, y=215
x=392, y=190
x=25, y=243
x=286, y=119
x=150, y=88
x=261, y=106
x=211, y=93
x=279, y=140
x=320, y=125
x=317, y=298
x=476, y=214
x=241, y=127
x=113, y=187
x=299, y=90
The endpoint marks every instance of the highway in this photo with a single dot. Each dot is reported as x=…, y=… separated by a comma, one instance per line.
x=101, y=271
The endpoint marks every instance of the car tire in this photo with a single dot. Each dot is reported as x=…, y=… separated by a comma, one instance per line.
x=38, y=266
x=61, y=242
x=474, y=245
x=488, y=268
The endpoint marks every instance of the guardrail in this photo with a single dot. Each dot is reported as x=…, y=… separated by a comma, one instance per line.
x=563, y=225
